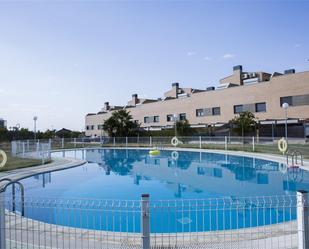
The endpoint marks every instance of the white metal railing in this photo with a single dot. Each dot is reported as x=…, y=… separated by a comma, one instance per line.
x=234, y=222
x=41, y=148
x=32, y=149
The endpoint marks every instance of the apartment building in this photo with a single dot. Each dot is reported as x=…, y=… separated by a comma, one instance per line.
x=258, y=92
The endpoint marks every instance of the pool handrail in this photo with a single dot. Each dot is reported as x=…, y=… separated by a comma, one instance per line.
x=22, y=189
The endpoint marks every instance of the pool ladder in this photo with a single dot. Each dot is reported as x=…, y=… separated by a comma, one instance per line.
x=294, y=157
x=3, y=189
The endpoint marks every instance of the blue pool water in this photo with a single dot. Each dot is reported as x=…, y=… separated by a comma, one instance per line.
x=217, y=184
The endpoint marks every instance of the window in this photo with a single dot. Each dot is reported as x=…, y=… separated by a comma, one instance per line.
x=238, y=109
x=182, y=116
x=300, y=100
x=287, y=99
x=169, y=118
x=212, y=111
x=87, y=127
x=92, y=127
x=260, y=107
x=297, y=100
x=152, y=119
x=156, y=119
x=216, y=111
x=199, y=112
x=146, y=119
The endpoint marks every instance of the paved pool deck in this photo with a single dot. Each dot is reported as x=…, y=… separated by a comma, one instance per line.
x=22, y=232
x=55, y=165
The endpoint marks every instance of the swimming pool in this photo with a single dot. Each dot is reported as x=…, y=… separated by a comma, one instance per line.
x=189, y=191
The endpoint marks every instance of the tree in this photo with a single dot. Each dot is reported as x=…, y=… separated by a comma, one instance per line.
x=24, y=133
x=48, y=134
x=183, y=128
x=120, y=124
x=3, y=134
x=15, y=134
x=243, y=123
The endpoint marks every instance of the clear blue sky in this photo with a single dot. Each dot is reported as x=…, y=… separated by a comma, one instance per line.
x=62, y=60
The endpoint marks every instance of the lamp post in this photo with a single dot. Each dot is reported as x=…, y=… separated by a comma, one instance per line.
x=285, y=106
x=175, y=116
x=17, y=126
x=101, y=133
x=35, y=118
x=273, y=130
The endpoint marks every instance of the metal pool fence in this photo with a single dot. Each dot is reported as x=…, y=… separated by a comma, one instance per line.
x=32, y=149
x=41, y=148
x=233, y=222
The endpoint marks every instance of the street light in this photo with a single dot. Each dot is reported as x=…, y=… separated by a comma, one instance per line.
x=285, y=106
x=35, y=118
x=175, y=116
x=101, y=133
x=17, y=126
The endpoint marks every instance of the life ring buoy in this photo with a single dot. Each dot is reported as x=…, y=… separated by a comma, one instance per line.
x=282, y=145
x=174, y=141
x=174, y=155
x=4, y=158
x=283, y=168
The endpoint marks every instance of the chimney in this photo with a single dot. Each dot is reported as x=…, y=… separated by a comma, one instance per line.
x=106, y=106
x=237, y=72
x=134, y=99
x=289, y=71
x=238, y=67
x=176, y=84
x=175, y=87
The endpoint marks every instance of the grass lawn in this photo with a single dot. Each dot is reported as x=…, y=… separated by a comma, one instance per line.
x=268, y=149
x=16, y=163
